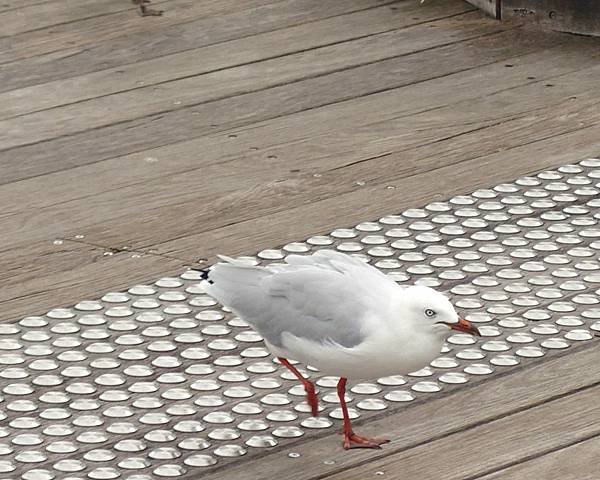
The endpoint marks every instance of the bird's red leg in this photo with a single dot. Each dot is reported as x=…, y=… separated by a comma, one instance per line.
x=309, y=388
x=351, y=440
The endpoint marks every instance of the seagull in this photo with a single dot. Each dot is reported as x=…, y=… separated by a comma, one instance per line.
x=340, y=315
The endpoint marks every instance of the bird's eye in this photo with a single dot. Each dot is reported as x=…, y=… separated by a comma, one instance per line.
x=429, y=312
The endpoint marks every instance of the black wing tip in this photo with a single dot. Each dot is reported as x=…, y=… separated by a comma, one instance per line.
x=203, y=273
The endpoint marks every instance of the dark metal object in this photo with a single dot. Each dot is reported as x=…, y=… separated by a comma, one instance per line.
x=572, y=16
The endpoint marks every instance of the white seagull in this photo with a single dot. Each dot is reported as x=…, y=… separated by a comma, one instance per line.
x=340, y=315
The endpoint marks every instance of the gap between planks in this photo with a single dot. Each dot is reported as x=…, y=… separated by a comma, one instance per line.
x=536, y=431
x=41, y=16
x=265, y=232
x=208, y=60
x=260, y=108
x=112, y=25
x=386, y=94
x=203, y=210
x=129, y=39
x=38, y=276
x=135, y=104
x=417, y=429
x=308, y=111
x=578, y=461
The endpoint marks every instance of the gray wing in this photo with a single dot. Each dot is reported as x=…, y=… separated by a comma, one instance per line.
x=321, y=297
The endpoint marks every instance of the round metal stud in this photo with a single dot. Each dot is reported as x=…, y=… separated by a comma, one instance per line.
x=69, y=466
x=520, y=337
x=555, y=343
x=35, y=474
x=30, y=456
x=478, y=369
x=253, y=425
x=134, y=463
x=169, y=470
x=224, y=434
x=288, y=432
x=544, y=329
x=371, y=404
x=504, y=360
x=399, y=396
x=164, y=453
x=578, y=335
x=200, y=460
x=495, y=346
x=121, y=428
x=530, y=352
x=282, y=416
x=453, y=377
x=218, y=417
x=320, y=240
x=194, y=444
x=426, y=387
x=261, y=441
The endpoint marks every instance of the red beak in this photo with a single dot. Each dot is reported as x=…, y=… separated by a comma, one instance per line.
x=464, y=326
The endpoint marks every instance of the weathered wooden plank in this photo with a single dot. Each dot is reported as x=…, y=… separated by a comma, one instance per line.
x=574, y=16
x=197, y=90
x=116, y=25
x=42, y=15
x=574, y=462
x=89, y=46
x=270, y=186
x=415, y=428
x=198, y=61
x=374, y=200
x=452, y=67
x=303, y=216
x=237, y=193
x=496, y=444
x=491, y=7
x=8, y=5
x=37, y=276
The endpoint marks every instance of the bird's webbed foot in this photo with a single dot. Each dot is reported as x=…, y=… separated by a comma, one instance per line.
x=351, y=440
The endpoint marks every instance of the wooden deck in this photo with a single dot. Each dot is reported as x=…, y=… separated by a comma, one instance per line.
x=130, y=147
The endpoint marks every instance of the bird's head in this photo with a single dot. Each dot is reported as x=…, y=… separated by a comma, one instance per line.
x=432, y=310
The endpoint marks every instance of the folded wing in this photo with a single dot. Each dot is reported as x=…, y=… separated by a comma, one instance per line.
x=324, y=297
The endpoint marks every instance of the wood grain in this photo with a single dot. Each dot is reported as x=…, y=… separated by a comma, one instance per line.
x=37, y=276
x=574, y=462
x=374, y=201
x=115, y=25
x=39, y=15
x=88, y=46
x=396, y=148
x=277, y=103
x=226, y=114
x=190, y=64
x=496, y=444
x=197, y=90
x=416, y=428
x=8, y=5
